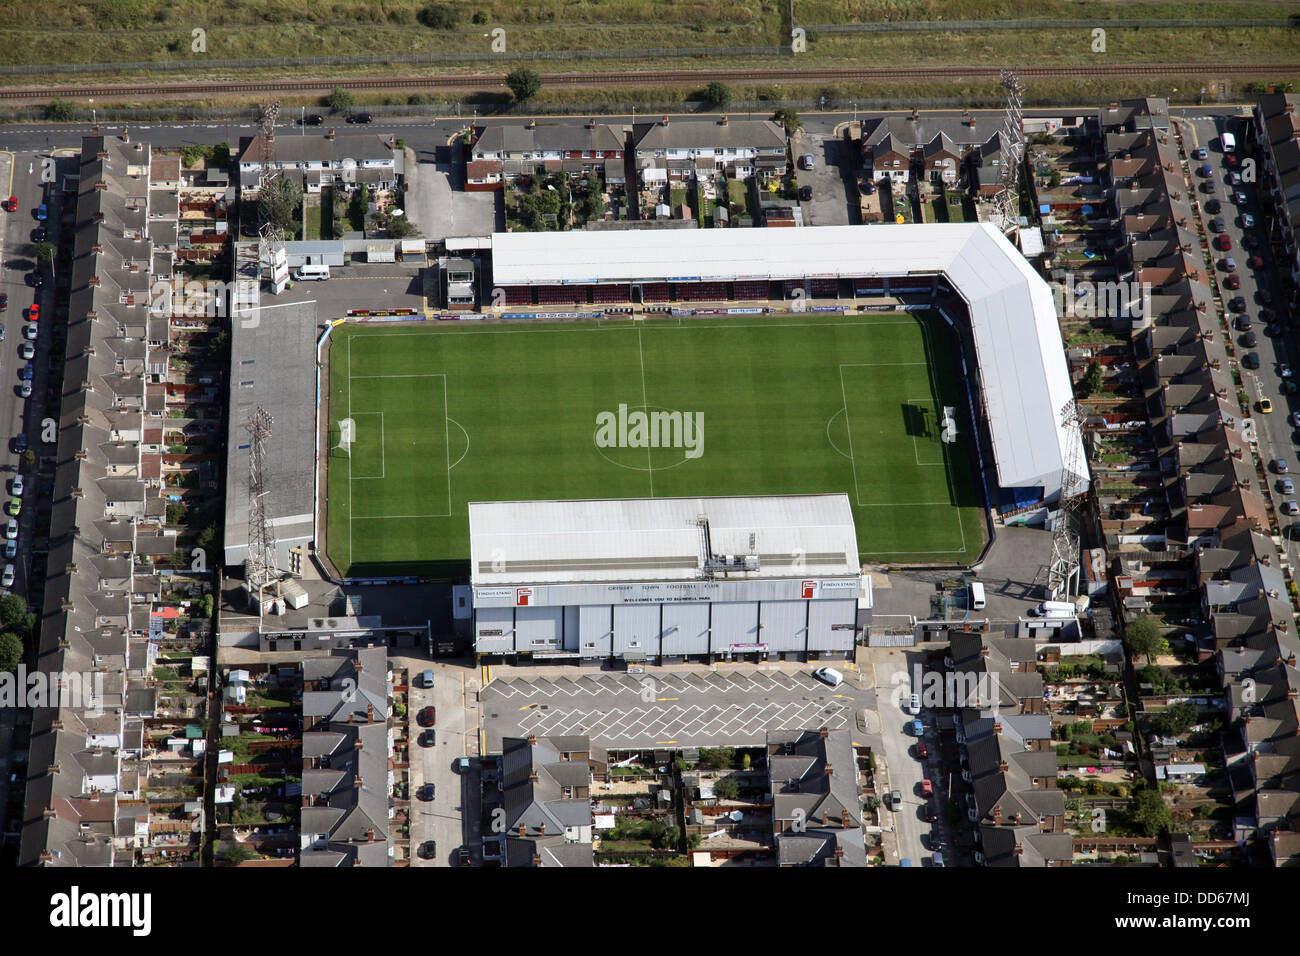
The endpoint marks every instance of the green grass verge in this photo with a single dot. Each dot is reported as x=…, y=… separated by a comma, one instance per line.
x=424, y=419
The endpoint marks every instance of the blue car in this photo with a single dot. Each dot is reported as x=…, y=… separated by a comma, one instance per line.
x=42, y=212
x=918, y=729
x=27, y=372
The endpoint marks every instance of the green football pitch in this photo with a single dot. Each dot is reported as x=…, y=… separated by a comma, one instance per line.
x=424, y=419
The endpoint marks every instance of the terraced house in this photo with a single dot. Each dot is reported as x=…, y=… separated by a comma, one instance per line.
x=90, y=765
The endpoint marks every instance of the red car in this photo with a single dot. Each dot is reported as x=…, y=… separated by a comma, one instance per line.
x=34, y=313
x=1223, y=242
x=922, y=751
x=426, y=717
x=1233, y=281
x=927, y=788
x=10, y=204
x=4, y=301
x=1255, y=262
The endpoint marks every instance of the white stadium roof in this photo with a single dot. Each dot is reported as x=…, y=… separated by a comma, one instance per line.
x=658, y=539
x=1013, y=316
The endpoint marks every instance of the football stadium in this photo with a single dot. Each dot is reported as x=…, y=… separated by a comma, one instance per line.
x=827, y=393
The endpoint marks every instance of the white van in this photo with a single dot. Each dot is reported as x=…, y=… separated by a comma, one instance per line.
x=976, y=591
x=1229, y=142
x=310, y=273
x=1055, y=609
x=830, y=675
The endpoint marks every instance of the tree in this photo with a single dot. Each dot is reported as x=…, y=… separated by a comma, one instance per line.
x=1142, y=636
x=726, y=789
x=788, y=117
x=1149, y=812
x=59, y=110
x=11, y=652
x=44, y=251
x=339, y=100
x=524, y=84
x=238, y=853
x=359, y=205
x=717, y=94
x=436, y=16
x=278, y=203
x=1175, y=720
x=399, y=227
x=1091, y=381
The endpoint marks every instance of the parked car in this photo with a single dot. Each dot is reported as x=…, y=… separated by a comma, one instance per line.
x=10, y=204
x=829, y=675
x=1284, y=370
x=11, y=529
x=1213, y=206
x=927, y=788
x=914, y=704
x=25, y=389
x=42, y=212
x=917, y=728
x=13, y=507
x=34, y=280
x=1247, y=221
x=1264, y=296
x=1286, y=486
x=1280, y=466
x=34, y=312
x=40, y=234
x=25, y=351
x=425, y=793
x=1250, y=360
x=26, y=373
x=805, y=193
x=11, y=550
x=1237, y=304
x=1291, y=508
x=428, y=738
x=1248, y=340
x=1217, y=224
x=922, y=751
x=1255, y=262
x=4, y=301
x=311, y=119
x=1239, y=198
x=1265, y=406
x=427, y=716
x=18, y=444
x=16, y=486
x=1200, y=152
x=428, y=849
x=1243, y=322
x=7, y=578
x=1232, y=177
x=31, y=331
x=1232, y=281
x=1223, y=242
x=1205, y=170
x=1208, y=186
x=806, y=161
x=895, y=799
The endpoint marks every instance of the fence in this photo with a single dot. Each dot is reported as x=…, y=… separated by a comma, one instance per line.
x=964, y=26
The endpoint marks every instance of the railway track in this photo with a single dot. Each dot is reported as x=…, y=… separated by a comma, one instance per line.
x=484, y=81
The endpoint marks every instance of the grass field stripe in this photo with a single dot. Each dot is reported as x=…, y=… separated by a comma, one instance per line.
x=934, y=388
x=446, y=427
x=655, y=326
x=350, y=453
x=645, y=404
x=418, y=375
x=848, y=430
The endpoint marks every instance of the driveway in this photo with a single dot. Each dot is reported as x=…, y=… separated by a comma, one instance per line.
x=834, y=189
x=437, y=203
